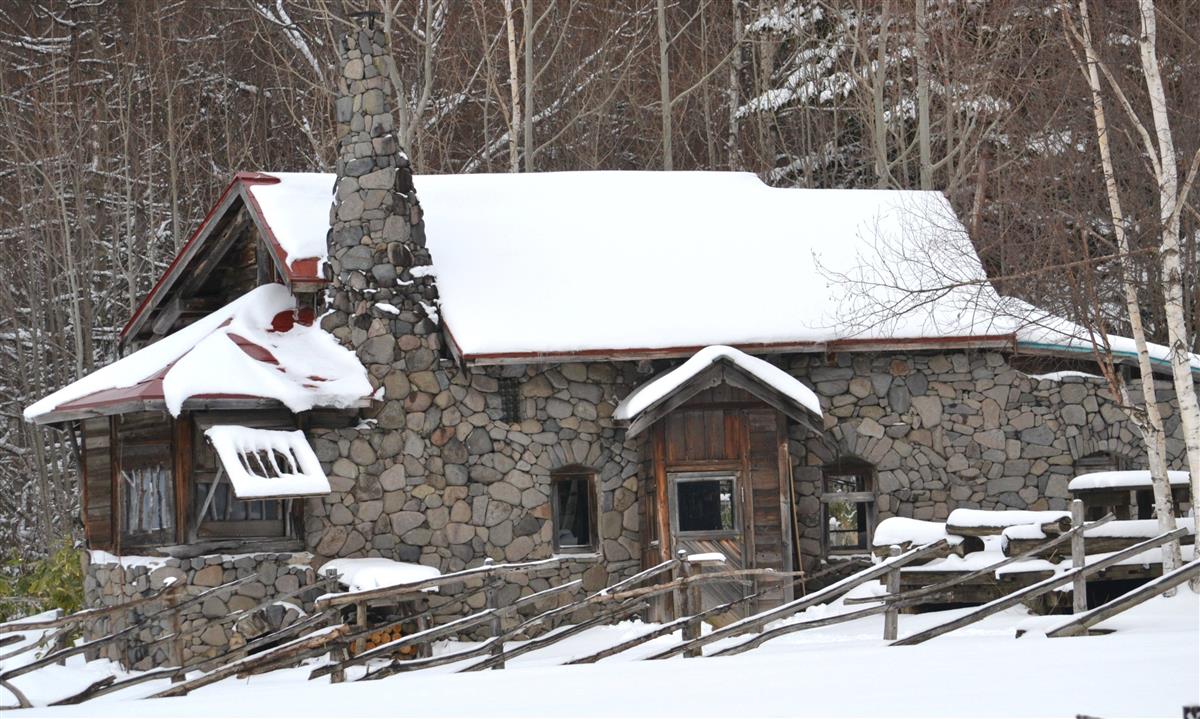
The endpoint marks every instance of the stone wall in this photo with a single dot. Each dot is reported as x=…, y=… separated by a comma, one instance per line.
x=441, y=478
x=107, y=582
x=959, y=429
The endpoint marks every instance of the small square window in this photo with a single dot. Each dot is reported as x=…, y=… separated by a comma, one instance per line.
x=510, y=399
x=706, y=505
x=572, y=507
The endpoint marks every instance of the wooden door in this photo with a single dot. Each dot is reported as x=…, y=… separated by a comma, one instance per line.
x=708, y=514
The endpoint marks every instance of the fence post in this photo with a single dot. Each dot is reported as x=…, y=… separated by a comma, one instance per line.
x=891, y=617
x=337, y=654
x=492, y=593
x=691, y=628
x=177, y=641
x=1078, y=556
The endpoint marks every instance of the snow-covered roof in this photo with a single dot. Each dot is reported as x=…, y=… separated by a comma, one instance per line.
x=365, y=573
x=964, y=517
x=252, y=461
x=1127, y=479
x=250, y=348
x=594, y=263
x=658, y=389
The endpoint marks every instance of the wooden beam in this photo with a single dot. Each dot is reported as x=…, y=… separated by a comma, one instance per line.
x=1078, y=625
x=1034, y=590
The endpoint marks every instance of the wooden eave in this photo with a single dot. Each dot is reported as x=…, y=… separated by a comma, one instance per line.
x=193, y=404
x=997, y=342
x=721, y=371
x=301, y=276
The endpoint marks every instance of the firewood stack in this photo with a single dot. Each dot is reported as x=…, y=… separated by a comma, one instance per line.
x=384, y=636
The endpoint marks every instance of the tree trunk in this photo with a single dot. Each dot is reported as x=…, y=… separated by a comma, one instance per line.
x=1151, y=426
x=1172, y=270
x=923, y=98
x=514, y=88
x=527, y=18
x=664, y=85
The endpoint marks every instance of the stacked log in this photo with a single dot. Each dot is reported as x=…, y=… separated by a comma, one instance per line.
x=386, y=636
x=1095, y=545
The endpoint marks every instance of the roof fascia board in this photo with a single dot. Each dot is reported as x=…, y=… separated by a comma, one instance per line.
x=1000, y=342
x=182, y=259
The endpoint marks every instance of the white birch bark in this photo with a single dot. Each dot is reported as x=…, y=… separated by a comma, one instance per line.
x=1169, y=201
x=1151, y=425
x=514, y=87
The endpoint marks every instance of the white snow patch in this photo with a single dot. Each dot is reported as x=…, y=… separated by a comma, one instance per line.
x=128, y=561
x=1059, y=376
x=1002, y=517
x=898, y=530
x=387, y=307
x=707, y=557
x=203, y=358
x=656, y=389
x=375, y=572
x=290, y=209
x=1130, y=479
x=242, y=450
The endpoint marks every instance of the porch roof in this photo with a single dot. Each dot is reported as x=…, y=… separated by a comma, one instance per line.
x=707, y=368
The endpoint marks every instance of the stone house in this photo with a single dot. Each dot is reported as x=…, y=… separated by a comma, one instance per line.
x=604, y=366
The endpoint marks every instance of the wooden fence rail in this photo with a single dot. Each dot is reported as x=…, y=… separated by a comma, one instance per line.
x=366, y=595
x=831, y=592
x=1079, y=624
x=941, y=587
x=1035, y=590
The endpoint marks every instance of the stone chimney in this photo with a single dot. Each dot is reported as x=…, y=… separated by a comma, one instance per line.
x=377, y=237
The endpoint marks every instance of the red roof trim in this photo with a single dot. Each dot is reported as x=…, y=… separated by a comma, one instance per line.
x=752, y=347
x=304, y=270
x=200, y=229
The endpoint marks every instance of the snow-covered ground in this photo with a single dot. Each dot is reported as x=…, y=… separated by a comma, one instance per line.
x=1148, y=666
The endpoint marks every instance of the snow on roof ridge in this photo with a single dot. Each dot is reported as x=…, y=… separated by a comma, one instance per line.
x=656, y=389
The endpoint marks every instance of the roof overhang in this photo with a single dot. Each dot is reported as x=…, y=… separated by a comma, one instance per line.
x=633, y=354
x=721, y=371
x=302, y=275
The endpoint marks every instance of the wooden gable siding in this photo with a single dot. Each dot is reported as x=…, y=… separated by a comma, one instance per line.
x=97, y=483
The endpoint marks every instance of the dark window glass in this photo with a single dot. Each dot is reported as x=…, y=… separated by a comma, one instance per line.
x=510, y=399
x=572, y=506
x=706, y=505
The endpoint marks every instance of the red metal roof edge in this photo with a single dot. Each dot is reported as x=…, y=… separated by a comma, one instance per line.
x=303, y=269
x=749, y=347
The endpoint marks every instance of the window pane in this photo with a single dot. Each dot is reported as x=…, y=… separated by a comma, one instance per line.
x=705, y=505
x=846, y=524
x=572, y=512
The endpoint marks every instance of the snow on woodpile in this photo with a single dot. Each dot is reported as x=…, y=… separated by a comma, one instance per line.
x=1137, y=528
x=236, y=351
x=262, y=463
x=984, y=518
x=656, y=389
x=374, y=572
x=902, y=530
x=1130, y=479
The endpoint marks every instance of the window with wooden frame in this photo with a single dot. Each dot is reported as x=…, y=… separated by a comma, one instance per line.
x=573, y=509
x=705, y=504
x=847, y=505
x=222, y=506
x=145, y=479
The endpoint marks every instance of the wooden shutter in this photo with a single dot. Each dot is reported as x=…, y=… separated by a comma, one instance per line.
x=97, y=483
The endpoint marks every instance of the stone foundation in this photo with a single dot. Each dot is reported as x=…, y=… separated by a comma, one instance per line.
x=199, y=627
